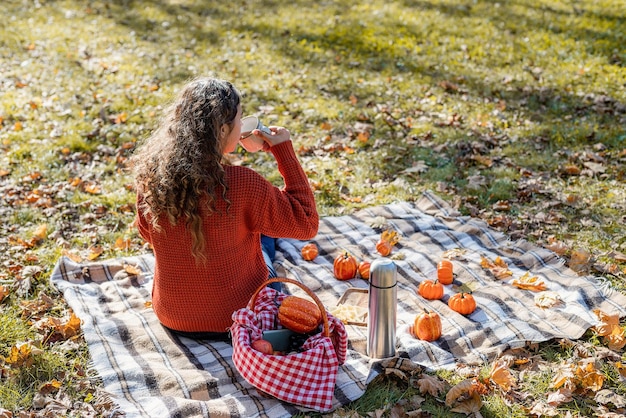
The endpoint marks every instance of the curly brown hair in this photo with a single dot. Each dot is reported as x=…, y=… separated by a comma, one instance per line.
x=182, y=160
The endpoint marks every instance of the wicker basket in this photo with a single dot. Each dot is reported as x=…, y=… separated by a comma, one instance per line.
x=305, y=378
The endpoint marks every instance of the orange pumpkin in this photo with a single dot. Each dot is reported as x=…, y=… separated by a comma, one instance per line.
x=387, y=240
x=445, y=273
x=364, y=269
x=463, y=303
x=431, y=290
x=309, y=251
x=345, y=266
x=427, y=326
x=383, y=247
x=299, y=315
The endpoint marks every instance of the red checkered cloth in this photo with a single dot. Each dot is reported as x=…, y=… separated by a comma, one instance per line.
x=306, y=378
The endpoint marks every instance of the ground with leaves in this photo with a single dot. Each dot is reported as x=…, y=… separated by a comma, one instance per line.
x=514, y=112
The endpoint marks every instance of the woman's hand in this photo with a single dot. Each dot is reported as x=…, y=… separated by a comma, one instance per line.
x=279, y=135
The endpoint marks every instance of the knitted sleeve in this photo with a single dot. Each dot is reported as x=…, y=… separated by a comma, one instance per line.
x=289, y=212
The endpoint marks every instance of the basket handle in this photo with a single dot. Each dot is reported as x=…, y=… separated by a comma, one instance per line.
x=301, y=286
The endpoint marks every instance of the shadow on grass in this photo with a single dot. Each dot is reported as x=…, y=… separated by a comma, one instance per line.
x=564, y=116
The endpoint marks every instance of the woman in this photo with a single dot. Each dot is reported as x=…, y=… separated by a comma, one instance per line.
x=205, y=218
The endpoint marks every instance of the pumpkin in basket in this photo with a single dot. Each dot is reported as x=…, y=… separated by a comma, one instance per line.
x=299, y=315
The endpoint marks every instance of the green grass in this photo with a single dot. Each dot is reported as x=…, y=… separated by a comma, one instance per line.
x=484, y=102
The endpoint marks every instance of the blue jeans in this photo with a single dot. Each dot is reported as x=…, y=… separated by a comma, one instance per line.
x=268, y=246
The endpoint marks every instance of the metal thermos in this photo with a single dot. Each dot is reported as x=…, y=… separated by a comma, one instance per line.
x=383, y=303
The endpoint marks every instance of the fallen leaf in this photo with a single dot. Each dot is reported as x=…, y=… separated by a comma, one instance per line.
x=91, y=188
x=610, y=329
x=20, y=355
x=378, y=222
x=132, y=270
x=589, y=377
x=390, y=236
x=502, y=206
x=556, y=246
x=563, y=376
x=618, y=256
x=606, y=396
x=501, y=375
x=465, y=390
x=34, y=307
x=579, y=260
x=65, y=328
x=571, y=170
x=498, y=267
x=469, y=406
x=397, y=373
x=548, y=299
x=122, y=244
x=542, y=409
x=4, y=291
x=430, y=384
x=595, y=168
x=49, y=387
x=559, y=397
x=73, y=256
x=363, y=136
x=621, y=370
x=454, y=253
x=528, y=282
x=95, y=252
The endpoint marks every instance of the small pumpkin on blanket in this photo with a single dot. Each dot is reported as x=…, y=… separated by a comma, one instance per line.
x=427, y=326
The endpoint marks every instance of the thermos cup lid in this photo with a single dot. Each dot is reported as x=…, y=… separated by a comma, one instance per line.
x=383, y=273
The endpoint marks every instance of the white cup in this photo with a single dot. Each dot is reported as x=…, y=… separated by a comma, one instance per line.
x=250, y=142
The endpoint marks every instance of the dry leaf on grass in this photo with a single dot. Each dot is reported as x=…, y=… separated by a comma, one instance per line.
x=542, y=409
x=588, y=376
x=621, y=370
x=581, y=375
x=95, y=252
x=610, y=329
x=579, y=260
x=558, y=247
x=470, y=406
x=563, y=376
x=4, y=291
x=559, y=397
x=501, y=375
x=430, y=384
x=606, y=396
x=464, y=397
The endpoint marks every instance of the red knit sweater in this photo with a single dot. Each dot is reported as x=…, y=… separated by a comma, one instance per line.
x=196, y=297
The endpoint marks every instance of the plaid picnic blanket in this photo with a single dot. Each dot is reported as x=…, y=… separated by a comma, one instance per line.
x=152, y=373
